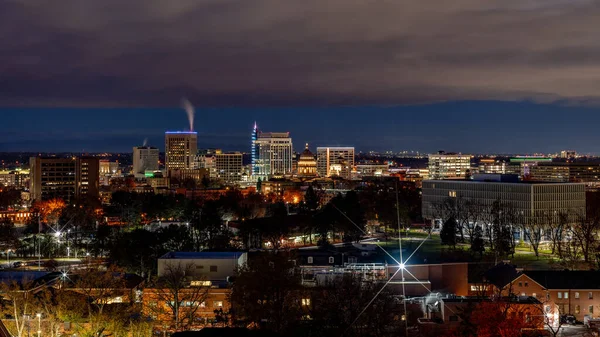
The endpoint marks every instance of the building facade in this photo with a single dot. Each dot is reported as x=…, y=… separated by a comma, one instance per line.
x=180, y=149
x=563, y=292
x=307, y=164
x=449, y=165
x=64, y=178
x=335, y=161
x=272, y=154
x=529, y=201
x=228, y=167
x=145, y=158
x=588, y=173
x=14, y=178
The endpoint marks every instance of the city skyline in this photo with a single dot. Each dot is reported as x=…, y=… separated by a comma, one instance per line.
x=467, y=127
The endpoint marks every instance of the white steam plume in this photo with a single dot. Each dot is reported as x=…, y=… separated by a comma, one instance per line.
x=145, y=141
x=189, y=110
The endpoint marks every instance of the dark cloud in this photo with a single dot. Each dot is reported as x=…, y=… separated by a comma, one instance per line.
x=311, y=52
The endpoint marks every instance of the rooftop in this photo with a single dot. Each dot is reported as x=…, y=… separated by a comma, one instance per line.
x=202, y=255
x=566, y=279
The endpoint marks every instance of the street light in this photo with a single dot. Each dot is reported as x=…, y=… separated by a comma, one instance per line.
x=39, y=317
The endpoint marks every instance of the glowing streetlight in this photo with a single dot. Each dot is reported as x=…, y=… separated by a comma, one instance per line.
x=39, y=317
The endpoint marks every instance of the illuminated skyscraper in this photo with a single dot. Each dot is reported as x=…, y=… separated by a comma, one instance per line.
x=254, y=151
x=272, y=153
x=180, y=149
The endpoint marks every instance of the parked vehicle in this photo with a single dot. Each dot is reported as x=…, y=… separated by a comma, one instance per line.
x=17, y=264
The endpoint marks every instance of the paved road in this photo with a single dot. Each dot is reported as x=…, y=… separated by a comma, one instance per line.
x=575, y=331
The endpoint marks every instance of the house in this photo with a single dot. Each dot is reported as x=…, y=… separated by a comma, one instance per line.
x=562, y=291
x=444, y=313
x=209, y=266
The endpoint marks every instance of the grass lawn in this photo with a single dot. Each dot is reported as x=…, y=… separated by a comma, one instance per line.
x=432, y=251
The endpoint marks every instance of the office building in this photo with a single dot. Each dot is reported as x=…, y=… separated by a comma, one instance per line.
x=228, y=167
x=64, y=178
x=145, y=158
x=272, y=153
x=522, y=165
x=335, y=161
x=180, y=149
x=14, y=178
x=568, y=154
x=449, y=165
x=492, y=166
x=529, y=201
x=588, y=173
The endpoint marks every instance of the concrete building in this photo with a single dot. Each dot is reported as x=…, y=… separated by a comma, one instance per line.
x=208, y=266
x=335, y=161
x=530, y=201
x=272, y=154
x=588, y=173
x=522, y=165
x=180, y=149
x=64, y=178
x=449, y=165
x=145, y=158
x=372, y=170
x=568, y=154
x=492, y=166
x=14, y=178
x=108, y=168
x=228, y=167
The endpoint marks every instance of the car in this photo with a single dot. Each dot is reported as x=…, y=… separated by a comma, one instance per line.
x=17, y=264
x=568, y=319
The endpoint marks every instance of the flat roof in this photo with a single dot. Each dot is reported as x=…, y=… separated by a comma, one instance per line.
x=181, y=132
x=526, y=182
x=202, y=255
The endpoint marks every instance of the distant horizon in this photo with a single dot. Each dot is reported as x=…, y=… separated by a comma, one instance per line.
x=473, y=127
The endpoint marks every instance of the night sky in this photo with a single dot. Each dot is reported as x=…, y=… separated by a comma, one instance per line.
x=463, y=75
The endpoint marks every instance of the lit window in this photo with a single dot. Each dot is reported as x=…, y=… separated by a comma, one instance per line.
x=559, y=295
x=576, y=294
x=218, y=304
x=306, y=302
x=566, y=295
x=201, y=283
x=534, y=295
x=310, y=260
x=577, y=309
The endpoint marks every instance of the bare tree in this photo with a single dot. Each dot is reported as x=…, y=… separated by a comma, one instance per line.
x=175, y=298
x=585, y=233
x=533, y=229
x=16, y=303
x=557, y=225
